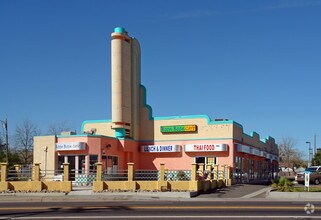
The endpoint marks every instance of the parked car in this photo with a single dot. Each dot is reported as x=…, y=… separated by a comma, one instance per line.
x=315, y=175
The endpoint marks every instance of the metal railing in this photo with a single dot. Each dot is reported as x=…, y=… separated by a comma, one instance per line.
x=148, y=175
x=52, y=175
x=21, y=175
x=178, y=175
x=115, y=175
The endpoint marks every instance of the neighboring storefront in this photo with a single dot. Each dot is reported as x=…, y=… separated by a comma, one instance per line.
x=134, y=135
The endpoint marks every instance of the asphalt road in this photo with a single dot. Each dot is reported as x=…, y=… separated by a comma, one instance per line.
x=241, y=209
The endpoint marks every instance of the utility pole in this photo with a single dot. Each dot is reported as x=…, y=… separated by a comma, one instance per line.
x=5, y=126
x=315, y=144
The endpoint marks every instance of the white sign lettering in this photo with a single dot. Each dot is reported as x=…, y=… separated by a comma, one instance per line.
x=205, y=147
x=160, y=148
x=71, y=146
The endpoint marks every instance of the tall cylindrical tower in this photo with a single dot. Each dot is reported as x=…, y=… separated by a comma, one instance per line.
x=121, y=80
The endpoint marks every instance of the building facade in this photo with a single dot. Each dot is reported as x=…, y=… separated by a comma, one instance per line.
x=134, y=135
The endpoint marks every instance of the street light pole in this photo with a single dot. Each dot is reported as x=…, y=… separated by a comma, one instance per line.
x=5, y=126
x=309, y=162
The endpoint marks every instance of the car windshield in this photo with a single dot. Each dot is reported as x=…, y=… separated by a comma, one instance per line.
x=311, y=169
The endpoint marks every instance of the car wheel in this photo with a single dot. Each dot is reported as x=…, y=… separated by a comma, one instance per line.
x=316, y=181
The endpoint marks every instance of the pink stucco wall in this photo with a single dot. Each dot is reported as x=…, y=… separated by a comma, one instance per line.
x=183, y=160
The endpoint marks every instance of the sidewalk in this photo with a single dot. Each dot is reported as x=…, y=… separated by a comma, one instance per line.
x=86, y=194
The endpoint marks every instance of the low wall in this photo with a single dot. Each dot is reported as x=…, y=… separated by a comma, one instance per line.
x=205, y=185
x=61, y=186
x=36, y=186
x=33, y=186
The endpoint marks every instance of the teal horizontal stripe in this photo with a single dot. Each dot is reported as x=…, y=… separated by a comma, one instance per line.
x=93, y=122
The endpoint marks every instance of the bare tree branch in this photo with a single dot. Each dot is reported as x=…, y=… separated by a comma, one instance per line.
x=290, y=156
x=57, y=128
x=23, y=137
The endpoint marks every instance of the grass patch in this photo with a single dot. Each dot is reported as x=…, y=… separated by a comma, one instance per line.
x=312, y=189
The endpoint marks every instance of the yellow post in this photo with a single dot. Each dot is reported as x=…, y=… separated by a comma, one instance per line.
x=162, y=172
x=130, y=171
x=194, y=172
x=66, y=171
x=99, y=171
x=18, y=170
x=201, y=169
x=36, y=172
x=229, y=181
x=4, y=172
x=209, y=170
x=215, y=172
x=223, y=172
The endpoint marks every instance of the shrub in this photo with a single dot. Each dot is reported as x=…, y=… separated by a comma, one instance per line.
x=283, y=185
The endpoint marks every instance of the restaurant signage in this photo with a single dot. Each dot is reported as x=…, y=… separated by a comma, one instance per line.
x=71, y=146
x=160, y=148
x=178, y=128
x=205, y=147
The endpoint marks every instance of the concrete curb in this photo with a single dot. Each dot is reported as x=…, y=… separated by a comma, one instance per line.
x=93, y=195
x=293, y=195
x=149, y=194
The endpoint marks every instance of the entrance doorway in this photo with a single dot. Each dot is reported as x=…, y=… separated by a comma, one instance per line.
x=77, y=165
x=205, y=160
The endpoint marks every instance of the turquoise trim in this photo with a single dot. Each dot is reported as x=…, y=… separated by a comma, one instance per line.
x=83, y=135
x=209, y=120
x=119, y=30
x=120, y=132
x=192, y=139
x=92, y=122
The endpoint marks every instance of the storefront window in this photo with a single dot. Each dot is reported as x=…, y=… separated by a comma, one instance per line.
x=61, y=160
x=259, y=170
x=81, y=164
x=251, y=169
x=93, y=159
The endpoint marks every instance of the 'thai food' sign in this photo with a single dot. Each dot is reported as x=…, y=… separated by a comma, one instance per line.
x=205, y=147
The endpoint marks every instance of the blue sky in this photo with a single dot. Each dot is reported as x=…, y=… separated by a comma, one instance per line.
x=255, y=62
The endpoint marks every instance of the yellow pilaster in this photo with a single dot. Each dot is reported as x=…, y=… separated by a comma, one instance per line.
x=99, y=171
x=201, y=169
x=215, y=172
x=193, y=172
x=209, y=170
x=66, y=171
x=36, y=172
x=130, y=171
x=4, y=172
x=18, y=170
x=162, y=172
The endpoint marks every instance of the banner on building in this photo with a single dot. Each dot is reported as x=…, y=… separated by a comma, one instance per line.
x=71, y=146
x=205, y=147
x=160, y=148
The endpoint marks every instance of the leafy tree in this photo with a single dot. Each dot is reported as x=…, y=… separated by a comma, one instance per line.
x=289, y=155
x=317, y=159
x=23, y=137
